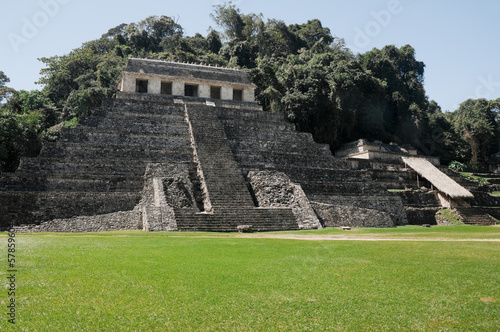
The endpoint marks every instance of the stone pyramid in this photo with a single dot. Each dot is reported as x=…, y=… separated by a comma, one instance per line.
x=185, y=147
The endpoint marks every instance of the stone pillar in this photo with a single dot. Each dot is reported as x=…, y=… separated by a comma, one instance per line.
x=154, y=85
x=178, y=88
x=226, y=93
x=204, y=91
x=249, y=95
x=128, y=83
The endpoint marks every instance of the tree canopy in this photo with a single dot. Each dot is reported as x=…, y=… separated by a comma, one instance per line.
x=301, y=70
x=5, y=91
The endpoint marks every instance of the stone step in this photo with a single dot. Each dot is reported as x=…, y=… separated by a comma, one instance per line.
x=261, y=125
x=132, y=128
x=138, y=117
x=90, y=138
x=326, y=175
x=492, y=211
x=303, y=147
x=22, y=182
x=336, y=188
x=336, y=165
x=249, y=114
x=77, y=153
x=82, y=183
x=284, y=160
x=228, y=220
x=76, y=182
x=222, y=175
x=419, y=198
x=122, y=122
x=88, y=166
x=248, y=134
x=475, y=216
x=148, y=106
x=399, y=175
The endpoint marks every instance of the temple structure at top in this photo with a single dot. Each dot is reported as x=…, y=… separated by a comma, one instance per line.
x=179, y=79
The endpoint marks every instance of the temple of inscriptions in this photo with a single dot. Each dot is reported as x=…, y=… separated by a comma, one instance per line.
x=185, y=147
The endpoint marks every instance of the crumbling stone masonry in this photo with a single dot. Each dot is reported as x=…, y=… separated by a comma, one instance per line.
x=165, y=159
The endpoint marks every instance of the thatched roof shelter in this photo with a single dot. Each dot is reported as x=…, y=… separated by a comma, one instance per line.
x=438, y=179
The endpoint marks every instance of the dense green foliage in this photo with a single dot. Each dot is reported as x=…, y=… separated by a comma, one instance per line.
x=137, y=281
x=301, y=70
x=476, y=121
x=5, y=91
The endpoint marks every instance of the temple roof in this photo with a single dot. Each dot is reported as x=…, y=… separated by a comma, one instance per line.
x=192, y=71
x=440, y=180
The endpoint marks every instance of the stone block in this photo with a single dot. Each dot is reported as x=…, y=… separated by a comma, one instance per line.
x=245, y=229
x=274, y=189
x=350, y=216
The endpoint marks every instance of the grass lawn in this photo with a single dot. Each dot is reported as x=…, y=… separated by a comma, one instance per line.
x=135, y=281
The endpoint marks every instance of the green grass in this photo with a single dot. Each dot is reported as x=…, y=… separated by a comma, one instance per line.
x=450, y=215
x=396, y=190
x=71, y=123
x=476, y=177
x=134, y=281
x=496, y=193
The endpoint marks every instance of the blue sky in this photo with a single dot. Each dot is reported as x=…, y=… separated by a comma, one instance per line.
x=457, y=40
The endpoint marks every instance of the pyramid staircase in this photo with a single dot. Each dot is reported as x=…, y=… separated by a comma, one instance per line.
x=231, y=203
x=475, y=216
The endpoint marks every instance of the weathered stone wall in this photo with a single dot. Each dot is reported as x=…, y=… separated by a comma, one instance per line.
x=166, y=187
x=36, y=207
x=390, y=204
x=274, y=189
x=419, y=197
x=99, y=223
x=420, y=216
x=341, y=215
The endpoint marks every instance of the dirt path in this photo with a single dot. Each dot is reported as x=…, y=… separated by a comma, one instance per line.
x=304, y=237
x=328, y=237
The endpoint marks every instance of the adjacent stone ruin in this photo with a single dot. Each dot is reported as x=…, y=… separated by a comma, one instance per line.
x=424, y=186
x=185, y=147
